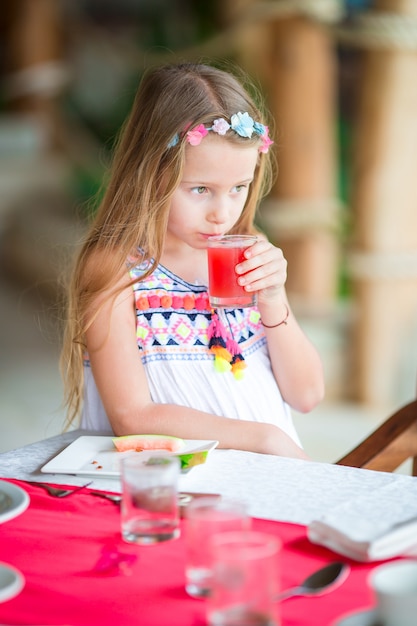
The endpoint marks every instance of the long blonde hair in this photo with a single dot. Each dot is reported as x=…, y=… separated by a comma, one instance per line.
x=145, y=172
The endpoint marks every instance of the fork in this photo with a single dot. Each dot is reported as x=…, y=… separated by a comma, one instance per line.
x=58, y=492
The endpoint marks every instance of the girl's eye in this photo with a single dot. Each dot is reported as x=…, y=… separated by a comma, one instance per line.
x=199, y=190
x=239, y=188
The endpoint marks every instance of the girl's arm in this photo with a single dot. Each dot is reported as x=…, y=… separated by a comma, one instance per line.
x=295, y=362
x=121, y=381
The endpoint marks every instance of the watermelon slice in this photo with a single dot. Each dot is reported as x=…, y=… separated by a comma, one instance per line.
x=148, y=442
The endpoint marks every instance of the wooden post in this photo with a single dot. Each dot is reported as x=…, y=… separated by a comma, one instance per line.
x=384, y=202
x=302, y=91
x=294, y=60
x=36, y=75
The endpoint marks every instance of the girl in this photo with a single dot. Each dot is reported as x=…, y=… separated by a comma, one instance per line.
x=140, y=346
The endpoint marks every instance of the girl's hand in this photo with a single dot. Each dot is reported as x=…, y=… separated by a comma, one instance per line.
x=264, y=270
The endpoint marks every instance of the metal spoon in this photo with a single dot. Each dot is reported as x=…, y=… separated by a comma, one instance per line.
x=318, y=582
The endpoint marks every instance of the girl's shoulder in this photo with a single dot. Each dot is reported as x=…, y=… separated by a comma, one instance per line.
x=104, y=272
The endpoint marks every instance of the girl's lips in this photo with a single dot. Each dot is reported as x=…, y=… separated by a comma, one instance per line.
x=205, y=236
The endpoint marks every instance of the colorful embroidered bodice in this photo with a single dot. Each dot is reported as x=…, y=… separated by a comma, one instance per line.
x=173, y=313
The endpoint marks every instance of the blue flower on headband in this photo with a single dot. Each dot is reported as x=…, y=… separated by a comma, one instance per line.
x=260, y=129
x=174, y=141
x=242, y=124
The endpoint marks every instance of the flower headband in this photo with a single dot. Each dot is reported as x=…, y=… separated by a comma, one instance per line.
x=241, y=123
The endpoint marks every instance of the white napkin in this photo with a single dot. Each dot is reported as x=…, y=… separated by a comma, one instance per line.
x=378, y=525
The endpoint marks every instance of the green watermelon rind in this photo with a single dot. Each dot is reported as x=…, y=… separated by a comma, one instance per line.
x=192, y=459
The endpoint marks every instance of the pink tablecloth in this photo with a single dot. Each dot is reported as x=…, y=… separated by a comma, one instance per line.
x=66, y=547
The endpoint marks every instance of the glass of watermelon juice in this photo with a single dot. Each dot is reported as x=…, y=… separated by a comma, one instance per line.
x=224, y=253
x=149, y=508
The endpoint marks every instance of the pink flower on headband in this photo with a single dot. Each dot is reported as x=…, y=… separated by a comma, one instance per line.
x=195, y=135
x=263, y=132
x=266, y=141
x=220, y=126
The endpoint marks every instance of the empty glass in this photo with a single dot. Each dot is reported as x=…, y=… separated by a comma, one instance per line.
x=149, y=507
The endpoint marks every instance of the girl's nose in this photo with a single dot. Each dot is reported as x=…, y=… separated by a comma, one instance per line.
x=218, y=213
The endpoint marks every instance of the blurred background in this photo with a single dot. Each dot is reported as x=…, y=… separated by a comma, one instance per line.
x=340, y=78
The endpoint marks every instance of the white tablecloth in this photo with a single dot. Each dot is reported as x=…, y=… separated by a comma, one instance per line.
x=276, y=488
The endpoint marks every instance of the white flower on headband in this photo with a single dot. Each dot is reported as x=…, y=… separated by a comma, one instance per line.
x=242, y=124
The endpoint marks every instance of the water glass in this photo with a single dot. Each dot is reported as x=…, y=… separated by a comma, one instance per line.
x=204, y=518
x=224, y=253
x=149, y=507
x=244, y=580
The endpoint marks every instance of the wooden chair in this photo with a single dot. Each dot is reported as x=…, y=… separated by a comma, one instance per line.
x=392, y=443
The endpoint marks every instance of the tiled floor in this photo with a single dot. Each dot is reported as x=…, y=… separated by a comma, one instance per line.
x=31, y=390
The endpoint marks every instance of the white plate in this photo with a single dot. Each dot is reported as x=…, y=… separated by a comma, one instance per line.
x=11, y=582
x=97, y=456
x=13, y=501
x=360, y=618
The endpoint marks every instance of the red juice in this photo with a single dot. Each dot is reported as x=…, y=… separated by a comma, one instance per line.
x=223, y=256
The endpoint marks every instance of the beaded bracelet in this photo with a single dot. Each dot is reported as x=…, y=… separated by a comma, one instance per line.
x=284, y=321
